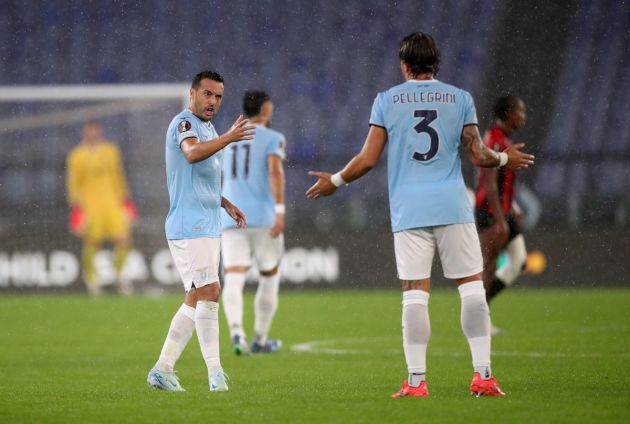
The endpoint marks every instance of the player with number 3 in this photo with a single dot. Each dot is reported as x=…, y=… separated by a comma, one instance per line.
x=423, y=123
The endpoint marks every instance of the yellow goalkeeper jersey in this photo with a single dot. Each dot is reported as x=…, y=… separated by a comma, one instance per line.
x=96, y=182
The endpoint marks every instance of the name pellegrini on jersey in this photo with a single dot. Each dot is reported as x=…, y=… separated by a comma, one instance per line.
x=423, y=97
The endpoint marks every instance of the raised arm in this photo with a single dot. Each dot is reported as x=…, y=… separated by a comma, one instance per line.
x=194, y=151
x=480, y=155
x=358, y=166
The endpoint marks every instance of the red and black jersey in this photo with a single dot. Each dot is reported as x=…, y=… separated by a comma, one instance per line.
x=496, y=140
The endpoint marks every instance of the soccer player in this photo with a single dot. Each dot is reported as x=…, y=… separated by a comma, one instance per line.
x=496, y=212
x=253, y=177
x=101, y=209
x=193, y=226
x=423, y=122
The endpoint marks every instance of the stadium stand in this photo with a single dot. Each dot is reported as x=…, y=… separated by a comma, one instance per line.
x=587, y=149
x=323, y=89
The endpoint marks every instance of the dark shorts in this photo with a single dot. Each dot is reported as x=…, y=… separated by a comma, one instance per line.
x=485, y=220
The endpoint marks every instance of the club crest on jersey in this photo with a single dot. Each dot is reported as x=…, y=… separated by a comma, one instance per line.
x=183, y=126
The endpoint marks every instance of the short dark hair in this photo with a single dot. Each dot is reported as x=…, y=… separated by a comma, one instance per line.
x=420, y=52
x=504, y=105
x=207, y=74
x=253, y=101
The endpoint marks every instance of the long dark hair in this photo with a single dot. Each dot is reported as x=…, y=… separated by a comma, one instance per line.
x=420, y=52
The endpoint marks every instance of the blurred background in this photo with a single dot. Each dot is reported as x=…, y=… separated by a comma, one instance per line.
x=322, y=63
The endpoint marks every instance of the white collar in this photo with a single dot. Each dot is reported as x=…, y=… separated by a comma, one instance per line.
x=422, y=81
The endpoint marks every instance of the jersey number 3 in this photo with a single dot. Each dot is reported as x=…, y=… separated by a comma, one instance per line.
x=235, y=148
x=424, y=126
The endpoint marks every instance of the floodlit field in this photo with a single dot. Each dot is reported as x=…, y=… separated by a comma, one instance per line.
x=565, y=357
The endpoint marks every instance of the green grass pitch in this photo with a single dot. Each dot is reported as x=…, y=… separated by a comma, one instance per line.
x=564, y=357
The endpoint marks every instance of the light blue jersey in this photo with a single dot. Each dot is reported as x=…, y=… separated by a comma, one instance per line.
x=194, y=189
x=246, y=177
x=424, y=122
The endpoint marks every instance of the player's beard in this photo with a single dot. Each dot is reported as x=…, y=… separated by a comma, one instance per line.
x=198, y=108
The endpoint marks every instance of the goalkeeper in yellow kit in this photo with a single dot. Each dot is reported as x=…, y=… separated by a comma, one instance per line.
x=101, y=208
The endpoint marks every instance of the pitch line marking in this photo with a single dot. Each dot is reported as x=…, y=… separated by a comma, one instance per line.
x=328, y=346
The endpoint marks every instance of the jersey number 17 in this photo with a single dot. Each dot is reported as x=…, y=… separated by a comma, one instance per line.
x=235, y=148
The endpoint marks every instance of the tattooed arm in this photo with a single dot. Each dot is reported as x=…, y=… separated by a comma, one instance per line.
x=484, y=157
x=480, y=155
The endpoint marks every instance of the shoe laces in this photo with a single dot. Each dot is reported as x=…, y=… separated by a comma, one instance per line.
x=172, y=374
x=221, y=373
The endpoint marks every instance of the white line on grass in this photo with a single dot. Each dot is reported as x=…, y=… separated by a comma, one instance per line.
x=329, y=347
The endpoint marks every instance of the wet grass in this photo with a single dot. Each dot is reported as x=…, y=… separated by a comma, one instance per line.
x=564, y=357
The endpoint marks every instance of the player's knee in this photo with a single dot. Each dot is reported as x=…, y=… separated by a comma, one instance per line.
x=236, y=269
x=215, y=291
x=191, y=299
x=423, y=284
x=271, y=272
x=210, y=292
x=469, y=279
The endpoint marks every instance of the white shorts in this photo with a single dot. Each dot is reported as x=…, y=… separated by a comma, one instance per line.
x=457, y=244
x=240, y=245
x=197, y=260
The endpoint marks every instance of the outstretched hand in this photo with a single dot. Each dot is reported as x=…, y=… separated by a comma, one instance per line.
x=241, y=130
x=323, y=186
x=518, y=159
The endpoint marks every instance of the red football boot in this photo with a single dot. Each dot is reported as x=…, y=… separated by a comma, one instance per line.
x=480, y=387
x=408, y=391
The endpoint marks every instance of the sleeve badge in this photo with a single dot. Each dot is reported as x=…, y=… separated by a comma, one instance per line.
x=183, y=127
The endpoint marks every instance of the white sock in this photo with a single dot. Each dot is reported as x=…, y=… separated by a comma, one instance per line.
x=265, y=305
x=475, y=320
x=179, y=333
x=416, y=379
x=416, y=332
x=233, y=302
x=517, y=254
x=207, y=326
